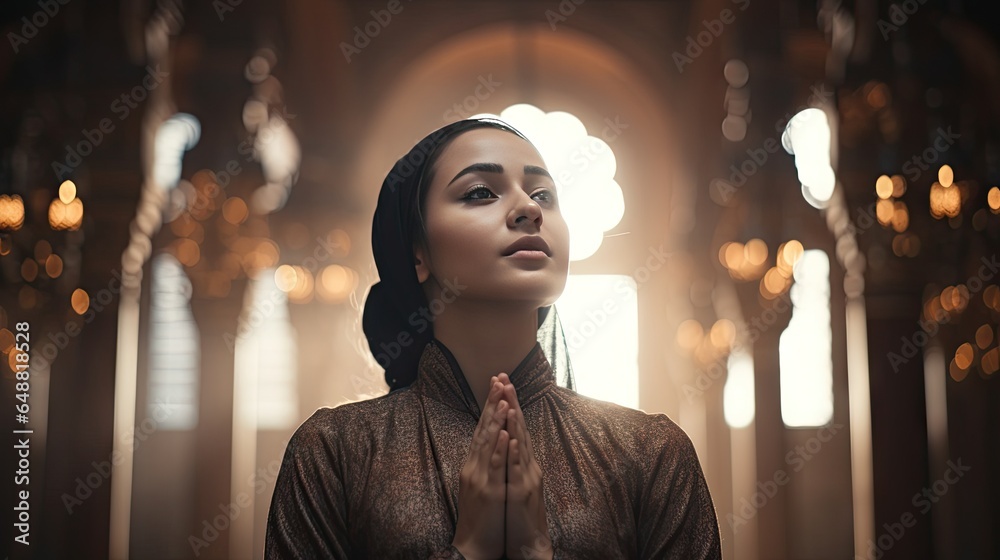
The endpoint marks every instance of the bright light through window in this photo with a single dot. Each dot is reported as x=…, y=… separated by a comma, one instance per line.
x=583, y=167
x=600, y=315
x=173, y=346
x=266, y=357
x=738, y=393
x=806, y=363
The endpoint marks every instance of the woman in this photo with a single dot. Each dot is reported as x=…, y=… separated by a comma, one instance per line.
x=477, y=452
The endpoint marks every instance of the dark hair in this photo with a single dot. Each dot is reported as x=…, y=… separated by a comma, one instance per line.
x=394, y=339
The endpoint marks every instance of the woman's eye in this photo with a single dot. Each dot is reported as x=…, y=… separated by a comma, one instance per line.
x=547, y=195
x=471, y=193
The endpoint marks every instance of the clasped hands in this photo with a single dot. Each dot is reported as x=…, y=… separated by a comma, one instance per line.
x=501, y=479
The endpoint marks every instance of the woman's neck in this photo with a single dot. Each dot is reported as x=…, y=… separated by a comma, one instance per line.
x=487, y=340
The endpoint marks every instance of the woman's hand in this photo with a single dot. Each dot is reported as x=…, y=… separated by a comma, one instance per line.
x=527, y=529
x=479, y=532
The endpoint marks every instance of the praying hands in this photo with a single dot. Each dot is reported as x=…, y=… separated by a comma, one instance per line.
x=501, y=481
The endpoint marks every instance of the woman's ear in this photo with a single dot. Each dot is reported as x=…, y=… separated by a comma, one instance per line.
x=420, y=258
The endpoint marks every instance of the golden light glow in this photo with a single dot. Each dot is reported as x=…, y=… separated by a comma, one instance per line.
x=285, y=277
x=957, y=373
x=755, y=252
x=734, y=256
x=884, y=211
x=883, y=187
x=964, y=356
x=945, y=201
x=946, y=176
x=775, y=282
x=80, y=301
x=53, y=266
x=336, y=283
x=302, y=291
x=788, y=254
x=11, y=212
x=183, y=225
x=991, y=297
x=65, y=215
x=723, y=335
x=187, y=252
x=900, y=217
x=993, y=198
x=689, y=334
x=991, y=361
x=67, y=191
x=235, y=210
x=5, y=244
x=12, y=361
x=984, y=336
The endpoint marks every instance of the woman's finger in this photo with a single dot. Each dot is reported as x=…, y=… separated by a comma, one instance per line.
x=521, y=432
x=480, y=436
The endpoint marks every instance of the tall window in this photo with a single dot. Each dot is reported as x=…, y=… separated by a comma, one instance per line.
x=173, y=346
x=805, y=348
x=266, y=363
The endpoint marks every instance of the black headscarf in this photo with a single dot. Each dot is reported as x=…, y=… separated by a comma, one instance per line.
x=396, y=330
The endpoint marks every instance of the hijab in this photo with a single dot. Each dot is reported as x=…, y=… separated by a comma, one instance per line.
x=395, y=310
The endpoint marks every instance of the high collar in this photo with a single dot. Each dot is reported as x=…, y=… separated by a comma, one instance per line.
x=440, y=377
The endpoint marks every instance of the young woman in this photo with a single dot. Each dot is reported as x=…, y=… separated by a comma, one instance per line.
x=477, y=452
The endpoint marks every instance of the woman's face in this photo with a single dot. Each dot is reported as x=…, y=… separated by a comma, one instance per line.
x=489, y=190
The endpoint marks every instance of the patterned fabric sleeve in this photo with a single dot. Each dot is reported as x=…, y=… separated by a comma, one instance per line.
x=450, y=553
x=677, y=518
x=308, y=513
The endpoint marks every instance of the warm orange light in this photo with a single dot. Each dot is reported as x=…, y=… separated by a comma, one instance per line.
x=946, y=176
x=993, y=198
x=723, y=335
x=689, y=334
x=984, y=336
x=67, y=191
x=235, y=210
x=883, y=187
x=755, y=252
x=964, y=356
x=80, y=301
x=53, y=266
x=11, y=212
x=898, y=186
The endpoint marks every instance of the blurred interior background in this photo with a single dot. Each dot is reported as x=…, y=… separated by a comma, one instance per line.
x=785, y=222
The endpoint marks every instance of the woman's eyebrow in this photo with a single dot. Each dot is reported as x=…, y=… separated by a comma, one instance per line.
x=497, y=168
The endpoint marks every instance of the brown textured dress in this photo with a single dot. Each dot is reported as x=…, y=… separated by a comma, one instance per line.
x=379, y=478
